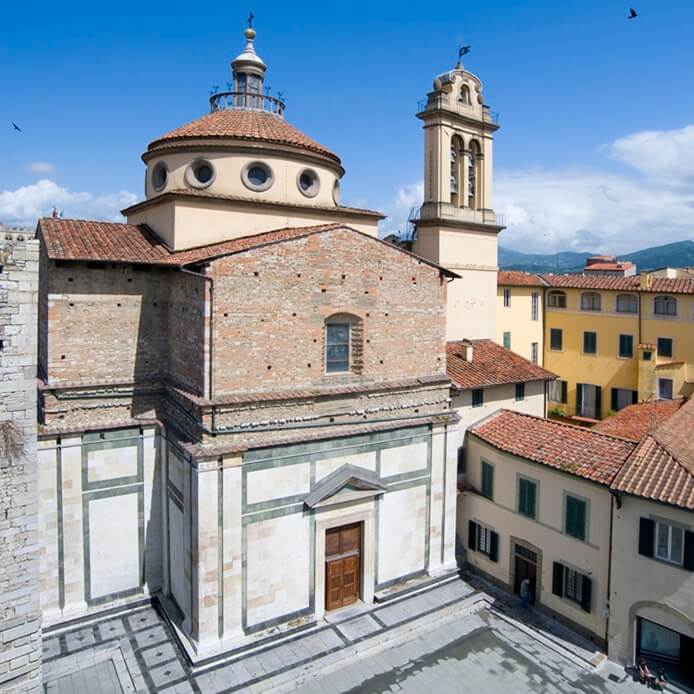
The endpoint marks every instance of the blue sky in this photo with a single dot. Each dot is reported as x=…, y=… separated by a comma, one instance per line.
x=91, y=85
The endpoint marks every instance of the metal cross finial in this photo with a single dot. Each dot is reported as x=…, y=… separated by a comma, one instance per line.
x=251, y=17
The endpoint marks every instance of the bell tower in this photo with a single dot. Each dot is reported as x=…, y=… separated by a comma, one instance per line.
x=456, y=226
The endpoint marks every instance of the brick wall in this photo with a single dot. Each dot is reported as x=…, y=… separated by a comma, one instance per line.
x=105, y=323
x=20, y=620
x=271, y=304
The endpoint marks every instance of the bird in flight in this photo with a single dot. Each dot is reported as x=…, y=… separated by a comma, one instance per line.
x=633, y=13
x=16, y=127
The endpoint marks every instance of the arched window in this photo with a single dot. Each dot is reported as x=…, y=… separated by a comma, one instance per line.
x=474, y=176
x=457, y=149
x=627, y=303
x=590, y=301
x=556, y=299
x=343, y=343
x=465, y=94
x=665, y=306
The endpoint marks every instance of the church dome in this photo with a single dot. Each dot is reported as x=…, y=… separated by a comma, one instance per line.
x=246, y=125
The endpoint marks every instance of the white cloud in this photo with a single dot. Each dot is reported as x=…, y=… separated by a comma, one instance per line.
x=398, y=211
x=42, y=168
x=23, y=206
x=549, y=210
x=662, y=153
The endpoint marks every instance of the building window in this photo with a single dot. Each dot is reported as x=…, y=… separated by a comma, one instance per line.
x=575, y=517
x=257, y=176
x=622, y=397
x=478, y=397
x=507, y=340
x=308, y=183
x=665, y=306
x=199, y=174
x=590, y=301
x=556, y=339
x=556, y=299
x=534, y=303
x=588, y=400
x=465, y=94
x=626, y=346
x=527, y=495
x=669, y=542
x=337, y=347
x=160, y=174
x=557, y=391
x=507, y=297
x=520, y=391
x=662, y=540
x=572, y=584
x=482, y=539
x=665, y=347
x=533, y=352
x=487, y=480
x=665, y=388
x=627, y=303
x=590, y=342
x=647, y=354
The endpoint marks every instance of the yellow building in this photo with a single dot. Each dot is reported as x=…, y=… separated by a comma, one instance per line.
x=612, y=340
x=519, y=316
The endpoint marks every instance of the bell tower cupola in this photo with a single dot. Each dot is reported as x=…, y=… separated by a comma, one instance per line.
x=456, y=225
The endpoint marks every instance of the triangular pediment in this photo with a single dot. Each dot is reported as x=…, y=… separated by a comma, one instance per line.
x=347, y=483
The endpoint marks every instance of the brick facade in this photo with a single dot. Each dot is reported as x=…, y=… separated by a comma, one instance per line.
x=20, y=619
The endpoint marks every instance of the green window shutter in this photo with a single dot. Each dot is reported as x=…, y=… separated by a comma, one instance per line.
x=532, y=489
x=576, y=518
x=526, y=498
x=586, y=594
x=579, y=398
x=564, y=396
x=646, y=536
x=472, y=536
x=487, y=480
x=558, y=579
x=598, y=401
x=494, y=546
x=507, y=340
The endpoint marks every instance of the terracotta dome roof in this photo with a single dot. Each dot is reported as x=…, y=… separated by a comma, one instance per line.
x=241, y=124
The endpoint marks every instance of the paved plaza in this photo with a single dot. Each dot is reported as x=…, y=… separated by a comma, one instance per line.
x=452, y=635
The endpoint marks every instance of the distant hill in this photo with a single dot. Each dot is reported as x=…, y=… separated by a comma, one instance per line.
x=678, y=254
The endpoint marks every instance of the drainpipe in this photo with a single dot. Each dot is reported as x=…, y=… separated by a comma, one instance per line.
x=209, y=279
x=614, y=499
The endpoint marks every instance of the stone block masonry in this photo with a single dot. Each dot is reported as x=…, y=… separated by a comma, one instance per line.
x=20, y=619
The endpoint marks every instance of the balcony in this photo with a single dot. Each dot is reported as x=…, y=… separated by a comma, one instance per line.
x=445, y=210
x=246, y=100
x=443, y=101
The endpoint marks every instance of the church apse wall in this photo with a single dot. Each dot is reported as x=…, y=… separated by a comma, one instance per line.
x=271, y=305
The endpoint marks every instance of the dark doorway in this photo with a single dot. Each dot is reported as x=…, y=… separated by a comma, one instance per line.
x=525, y=567
x=666, y=649
x=342, y=566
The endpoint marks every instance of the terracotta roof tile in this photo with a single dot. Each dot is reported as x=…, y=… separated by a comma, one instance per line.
x=659, y=285
x=572, y=449
x=491, y=365
x=77, y=239
x=516, y=278
x=239, y=124
x=607, y=266
x=635, y=421
x=662, y=467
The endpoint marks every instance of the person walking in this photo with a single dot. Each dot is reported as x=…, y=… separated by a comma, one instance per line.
x=525, y=592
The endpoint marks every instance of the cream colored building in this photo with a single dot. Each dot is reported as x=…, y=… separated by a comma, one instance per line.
x=520, y=314
x=652, y=601
x=536, y=504
x=456, y=226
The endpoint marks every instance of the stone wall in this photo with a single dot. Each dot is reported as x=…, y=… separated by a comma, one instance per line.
x=271, y=304
x=20, y=619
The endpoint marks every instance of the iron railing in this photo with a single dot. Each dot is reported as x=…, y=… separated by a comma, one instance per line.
x=246, y=100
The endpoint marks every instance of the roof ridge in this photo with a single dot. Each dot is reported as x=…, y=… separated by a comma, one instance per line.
x=557, y=422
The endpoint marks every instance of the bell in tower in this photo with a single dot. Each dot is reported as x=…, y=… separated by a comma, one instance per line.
x=456, y=226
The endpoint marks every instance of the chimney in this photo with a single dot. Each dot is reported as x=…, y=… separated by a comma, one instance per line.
x=466, y=351
x=645, y=280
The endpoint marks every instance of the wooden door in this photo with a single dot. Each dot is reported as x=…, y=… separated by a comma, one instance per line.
x=342, y=566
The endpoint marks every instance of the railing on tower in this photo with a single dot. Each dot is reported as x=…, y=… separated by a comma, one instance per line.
x=246, y=100
x=442, y=101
